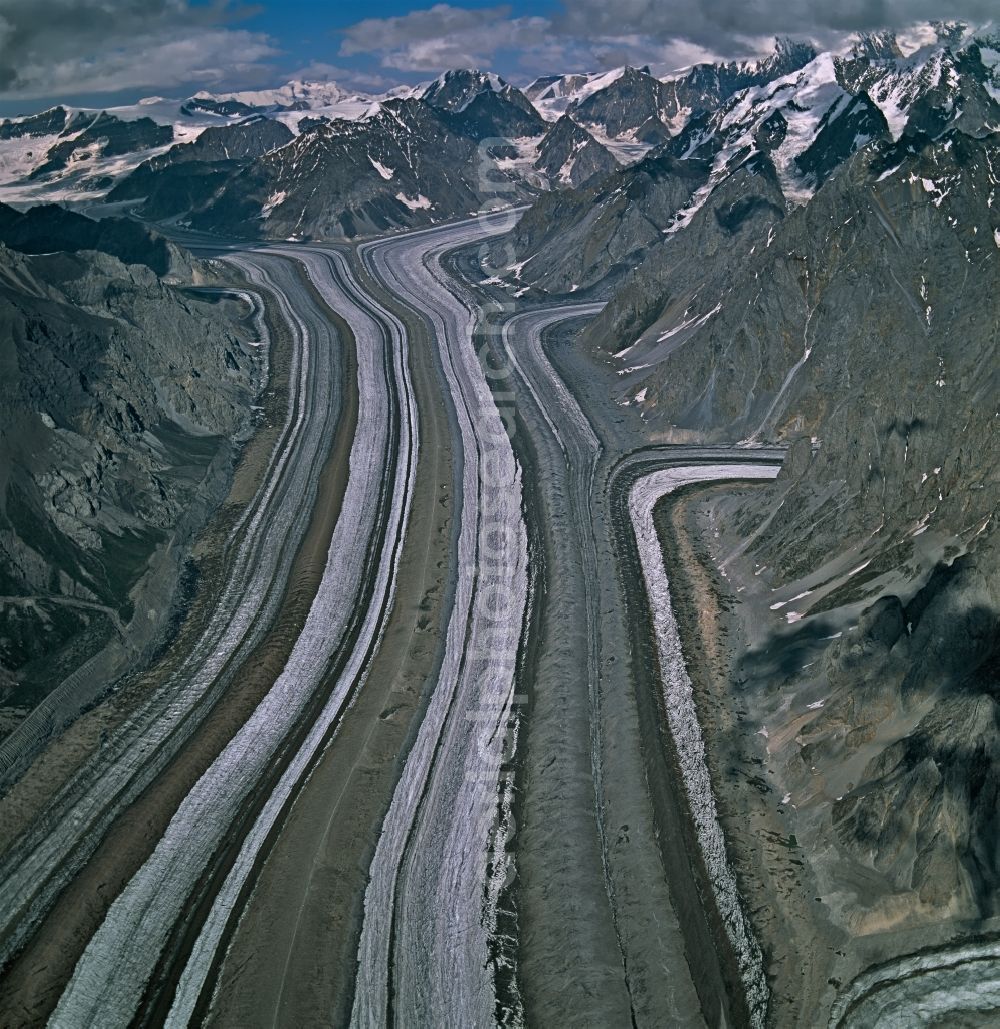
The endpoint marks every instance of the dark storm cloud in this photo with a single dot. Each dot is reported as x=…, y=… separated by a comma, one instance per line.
x=443, y=36
x=53, y=46
x=601, y=33
x=718, y=22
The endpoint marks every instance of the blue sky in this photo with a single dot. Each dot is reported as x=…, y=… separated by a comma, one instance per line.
x=104, y=52
x=315, y=33
x=107, y=52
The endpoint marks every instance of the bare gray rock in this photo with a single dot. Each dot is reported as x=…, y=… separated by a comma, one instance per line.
x=121, y=401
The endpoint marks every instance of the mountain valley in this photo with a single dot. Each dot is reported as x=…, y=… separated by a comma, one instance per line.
x=564, y=512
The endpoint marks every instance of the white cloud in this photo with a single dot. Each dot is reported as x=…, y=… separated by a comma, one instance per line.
x=594, y=34
x=349, y=78
x=726, y=24
x=58, y=47
x=916, y=37
x=443, y=36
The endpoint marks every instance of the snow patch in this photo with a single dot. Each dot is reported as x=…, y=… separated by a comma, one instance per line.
x=386, y=173
x=682, y=714
x=420, y=204
x=272, y=202
x=692, y=323
x=784, y=603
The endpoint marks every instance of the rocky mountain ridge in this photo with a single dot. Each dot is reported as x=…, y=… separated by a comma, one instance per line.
x=121, y=398
x=568, y=155
x=409, y=161
x=177, y=159
x=887, y=533
x=621, y=101
x=806, y=264
x=49, y=228
x=404, y=166
x=69, y=153
x=797, y=129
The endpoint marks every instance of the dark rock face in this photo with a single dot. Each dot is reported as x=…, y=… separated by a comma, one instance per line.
x=570, y=156
x=103, y=135
x=771, y=132
x=504, y=113
x=175, y=191
x=850, y=124
x=696, y=261
x=604, y=229
x=310, y=123
x=653, y=132
x=48, y=227
x=403, y=166
x=44, y=124
x=180, y=180
x=226, y=108
x=118, y=395
x=623, y=106
x=924, y=811
x=706, y=86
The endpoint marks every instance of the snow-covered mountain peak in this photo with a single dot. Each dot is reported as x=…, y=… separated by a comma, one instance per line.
x=794, y=114
x=555, y=94
x=295, y=93
x=933, y=88
x=458, y=87
x=789, y=53
x=554, y=87
x=875, y=46
x=69, y=153
x=801, y=127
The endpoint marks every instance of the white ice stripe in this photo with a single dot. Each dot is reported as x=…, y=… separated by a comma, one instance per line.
x=682, y=713
x=790, y=375
x=74, y=823
x=538, y=322
x=110, y=977
x=196, y=970
x=429, y=874
x=64, y=701
x=581, y=450
x=920, y=988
